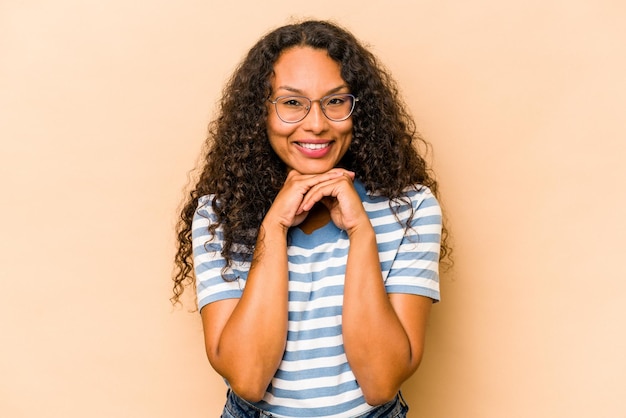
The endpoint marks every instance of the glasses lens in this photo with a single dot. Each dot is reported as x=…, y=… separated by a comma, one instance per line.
x=338, y=107
x=292, y=108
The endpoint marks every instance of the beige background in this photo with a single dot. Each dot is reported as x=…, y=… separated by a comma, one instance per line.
x=104, y=105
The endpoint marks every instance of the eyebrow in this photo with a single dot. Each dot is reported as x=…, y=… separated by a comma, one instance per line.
x=298, y=91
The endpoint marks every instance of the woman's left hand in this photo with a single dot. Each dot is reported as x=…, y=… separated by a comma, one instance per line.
x=340, y=198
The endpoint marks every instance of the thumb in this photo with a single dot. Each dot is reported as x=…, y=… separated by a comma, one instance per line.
x=329, y=202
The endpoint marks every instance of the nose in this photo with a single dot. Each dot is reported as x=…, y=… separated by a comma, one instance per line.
x=315, y=121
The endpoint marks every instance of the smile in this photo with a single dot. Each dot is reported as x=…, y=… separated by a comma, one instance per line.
x=313, y=146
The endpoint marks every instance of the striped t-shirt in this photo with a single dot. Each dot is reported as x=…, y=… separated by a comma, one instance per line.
x=314, y=378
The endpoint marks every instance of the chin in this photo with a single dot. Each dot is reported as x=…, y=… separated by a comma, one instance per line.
x=314, y=167
x=310, y=170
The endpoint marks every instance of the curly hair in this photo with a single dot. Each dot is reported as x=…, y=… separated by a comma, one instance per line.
x=243, y=173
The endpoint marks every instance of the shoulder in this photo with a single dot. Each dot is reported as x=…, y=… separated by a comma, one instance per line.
x=204, y=207
x=423, y=199
x=416, y=200
x=203, y=217
x=205, y=203
x=414, y=192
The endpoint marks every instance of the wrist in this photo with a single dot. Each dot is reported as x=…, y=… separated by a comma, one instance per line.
x=363, y=231
x=273, y=229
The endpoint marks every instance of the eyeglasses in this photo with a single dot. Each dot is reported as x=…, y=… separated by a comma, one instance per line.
x=293, y=109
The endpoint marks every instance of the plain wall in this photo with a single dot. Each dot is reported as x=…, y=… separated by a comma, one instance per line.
x=103, y=109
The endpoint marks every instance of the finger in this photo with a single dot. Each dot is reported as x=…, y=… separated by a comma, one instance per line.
x=349, y=174
x=315, y=182
x=303, y=183
x=298, y=185
x=329, y=202
x=331, y=188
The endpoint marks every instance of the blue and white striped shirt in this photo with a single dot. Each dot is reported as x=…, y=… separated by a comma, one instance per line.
x=314, y=378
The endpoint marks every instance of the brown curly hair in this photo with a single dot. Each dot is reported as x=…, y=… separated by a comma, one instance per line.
x=244, y=174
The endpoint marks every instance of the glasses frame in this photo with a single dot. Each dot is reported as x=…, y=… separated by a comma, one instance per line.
x=311, y=101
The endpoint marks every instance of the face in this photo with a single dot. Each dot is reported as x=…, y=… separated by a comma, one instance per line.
x=315, y=144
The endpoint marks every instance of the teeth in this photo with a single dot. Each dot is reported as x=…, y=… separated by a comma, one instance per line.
x=313, y=146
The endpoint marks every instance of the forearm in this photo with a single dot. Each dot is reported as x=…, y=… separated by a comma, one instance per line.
x=377, y=346
x=253, y=340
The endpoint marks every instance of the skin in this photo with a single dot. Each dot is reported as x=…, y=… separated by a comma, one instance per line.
x=311, y=73
x=315, y=192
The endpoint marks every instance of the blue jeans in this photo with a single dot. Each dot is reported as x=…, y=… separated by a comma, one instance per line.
x=237, y=407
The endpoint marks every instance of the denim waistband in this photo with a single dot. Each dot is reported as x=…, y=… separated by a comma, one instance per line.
x=237, y=407
x=397, y=408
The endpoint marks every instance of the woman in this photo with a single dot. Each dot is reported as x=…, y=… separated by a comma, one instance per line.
x=313, y=233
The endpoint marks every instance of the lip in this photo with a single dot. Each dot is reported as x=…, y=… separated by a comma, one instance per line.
x=314, y=148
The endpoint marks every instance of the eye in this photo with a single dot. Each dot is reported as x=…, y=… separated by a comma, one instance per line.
x=336, y=100
x=291, y=102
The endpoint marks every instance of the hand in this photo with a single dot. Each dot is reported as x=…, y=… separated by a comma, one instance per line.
x=340, y=198
x=286, y=210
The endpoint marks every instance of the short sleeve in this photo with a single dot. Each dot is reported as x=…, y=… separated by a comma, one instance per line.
x=212, y=282
x=415, y=268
